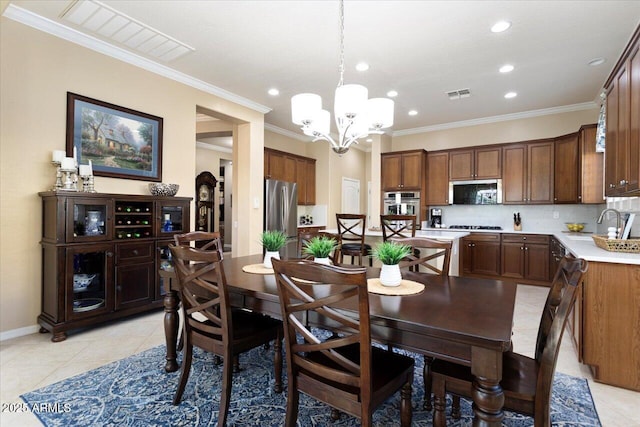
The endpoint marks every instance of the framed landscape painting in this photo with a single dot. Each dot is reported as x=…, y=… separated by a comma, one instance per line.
x=119, y=142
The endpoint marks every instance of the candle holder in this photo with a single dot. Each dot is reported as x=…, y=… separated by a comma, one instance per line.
x=87, y=183
x=69, y=180
x=58, y=185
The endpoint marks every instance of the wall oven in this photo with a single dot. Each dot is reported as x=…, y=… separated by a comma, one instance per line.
x=405, y=203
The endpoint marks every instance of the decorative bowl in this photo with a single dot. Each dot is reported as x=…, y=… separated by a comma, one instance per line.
x=162, y=189
x=575, y=226
x=82, y=281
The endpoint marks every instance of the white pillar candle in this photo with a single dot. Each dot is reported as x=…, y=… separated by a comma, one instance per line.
x=58, y=155
x=68, y=163
x=90, y=168
x=85, y=170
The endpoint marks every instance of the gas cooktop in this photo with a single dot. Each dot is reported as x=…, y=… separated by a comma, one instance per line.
x=476, y=227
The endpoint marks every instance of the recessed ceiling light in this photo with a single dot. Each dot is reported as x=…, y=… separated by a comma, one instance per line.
x=369, y=140
x=500, y=26
x=362, y=66
x=507, y=68
x=274, y=92
x=510, y=95
x=392, y=94
x=597, y=61
x=413, y=113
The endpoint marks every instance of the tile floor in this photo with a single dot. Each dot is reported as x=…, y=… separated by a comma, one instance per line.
x=32, y=361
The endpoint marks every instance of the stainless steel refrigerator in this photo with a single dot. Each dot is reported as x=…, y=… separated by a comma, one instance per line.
x=281, y=212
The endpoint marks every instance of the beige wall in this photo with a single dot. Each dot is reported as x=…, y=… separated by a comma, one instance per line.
x=36, y=72
x=500, y=132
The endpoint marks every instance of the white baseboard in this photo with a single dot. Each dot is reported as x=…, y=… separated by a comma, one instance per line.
x=20, y=332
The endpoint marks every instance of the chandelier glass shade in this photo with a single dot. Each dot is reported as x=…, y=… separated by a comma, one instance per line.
x=356, y=115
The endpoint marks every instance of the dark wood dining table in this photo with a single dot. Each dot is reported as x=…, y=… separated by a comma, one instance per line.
x=465, y=320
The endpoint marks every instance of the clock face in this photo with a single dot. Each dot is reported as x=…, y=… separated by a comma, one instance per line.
x=204, y=193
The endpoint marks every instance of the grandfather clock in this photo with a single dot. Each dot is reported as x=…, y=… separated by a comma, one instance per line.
x=205, y=185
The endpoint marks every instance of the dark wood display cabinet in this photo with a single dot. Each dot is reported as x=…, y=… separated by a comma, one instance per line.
x=101, y=254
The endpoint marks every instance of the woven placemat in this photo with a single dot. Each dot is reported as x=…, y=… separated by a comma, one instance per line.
x=406, y=287
x=257, y=269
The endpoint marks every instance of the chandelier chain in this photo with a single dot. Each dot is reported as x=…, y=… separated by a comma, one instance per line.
x=341, y=82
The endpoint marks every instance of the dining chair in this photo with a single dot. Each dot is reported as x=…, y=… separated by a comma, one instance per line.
x=351, y=228
x=526, y=382
x=342, y=370
x=398, y=226
x=431, y=256
x=205, y=240
x=211, y=324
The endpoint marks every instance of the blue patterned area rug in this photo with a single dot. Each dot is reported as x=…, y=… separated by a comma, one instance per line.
x=137, y=392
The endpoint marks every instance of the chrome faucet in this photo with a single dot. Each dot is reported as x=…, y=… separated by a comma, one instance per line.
x=618, y=219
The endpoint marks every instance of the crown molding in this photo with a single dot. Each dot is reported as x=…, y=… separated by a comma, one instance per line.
x=56, y=29
x=212, y=147
x=502, y=118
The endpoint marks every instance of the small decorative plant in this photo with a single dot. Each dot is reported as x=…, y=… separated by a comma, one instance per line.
x=273, y=240
x=390, y=253
x=320, y=246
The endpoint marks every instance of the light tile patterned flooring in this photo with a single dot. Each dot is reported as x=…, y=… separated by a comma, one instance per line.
x=32, y=361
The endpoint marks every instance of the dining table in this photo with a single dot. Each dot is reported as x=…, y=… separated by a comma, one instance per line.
x=460, y=319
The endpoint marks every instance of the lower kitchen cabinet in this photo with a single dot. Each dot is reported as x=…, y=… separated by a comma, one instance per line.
x=481, y=254
x=607, y=323
x=100, y=256
x=526, y=257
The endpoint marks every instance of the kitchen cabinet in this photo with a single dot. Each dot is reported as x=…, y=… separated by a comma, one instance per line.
x=528, y=173
x=591, y=167
x=403, y=170
x=481, y=254
x=437, y=188
x=567, y=169
x=525, y=256
x=280, y=166
x=609, y=323
x=292, y=168
x=622, y=168
x=100, y=256
x=306, y=180
x=478, y=163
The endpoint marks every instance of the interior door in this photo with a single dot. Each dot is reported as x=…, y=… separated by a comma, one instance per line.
x=350, y=196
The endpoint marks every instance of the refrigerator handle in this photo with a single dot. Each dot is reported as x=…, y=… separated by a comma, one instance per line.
x=285, y=208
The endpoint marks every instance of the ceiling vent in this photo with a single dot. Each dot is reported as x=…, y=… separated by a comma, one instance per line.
x=98, y=18
x=460, y=93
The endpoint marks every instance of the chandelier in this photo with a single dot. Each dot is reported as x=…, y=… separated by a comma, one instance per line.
x=356, y=116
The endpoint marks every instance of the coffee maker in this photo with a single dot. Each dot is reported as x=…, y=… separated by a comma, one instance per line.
x=436, y=217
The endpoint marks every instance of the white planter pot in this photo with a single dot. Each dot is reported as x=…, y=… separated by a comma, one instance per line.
x=267, y=258
x=390, y=275
x=324, y=260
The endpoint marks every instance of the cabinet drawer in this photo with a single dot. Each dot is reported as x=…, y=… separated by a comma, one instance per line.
x=130, y=253
x=526, y=238
x=483, y=237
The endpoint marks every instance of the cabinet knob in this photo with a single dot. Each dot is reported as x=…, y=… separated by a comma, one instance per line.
x=522, y=248
x=526, y=248
x=623, y=182
x=612, y=186
x=135, y=252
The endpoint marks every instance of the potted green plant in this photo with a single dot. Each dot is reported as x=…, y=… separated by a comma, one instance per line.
x=272, y=241
x=390, y=254
x=320, y=247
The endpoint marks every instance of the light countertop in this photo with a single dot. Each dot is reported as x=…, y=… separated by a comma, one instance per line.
x=583, y=246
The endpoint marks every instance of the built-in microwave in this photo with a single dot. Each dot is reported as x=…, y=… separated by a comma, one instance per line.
x=405, y=203
x=476, y=192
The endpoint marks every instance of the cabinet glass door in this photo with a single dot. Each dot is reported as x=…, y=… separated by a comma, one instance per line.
x=172, y=218
x=164, y=262
x=88, y=220
x=89, y=280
